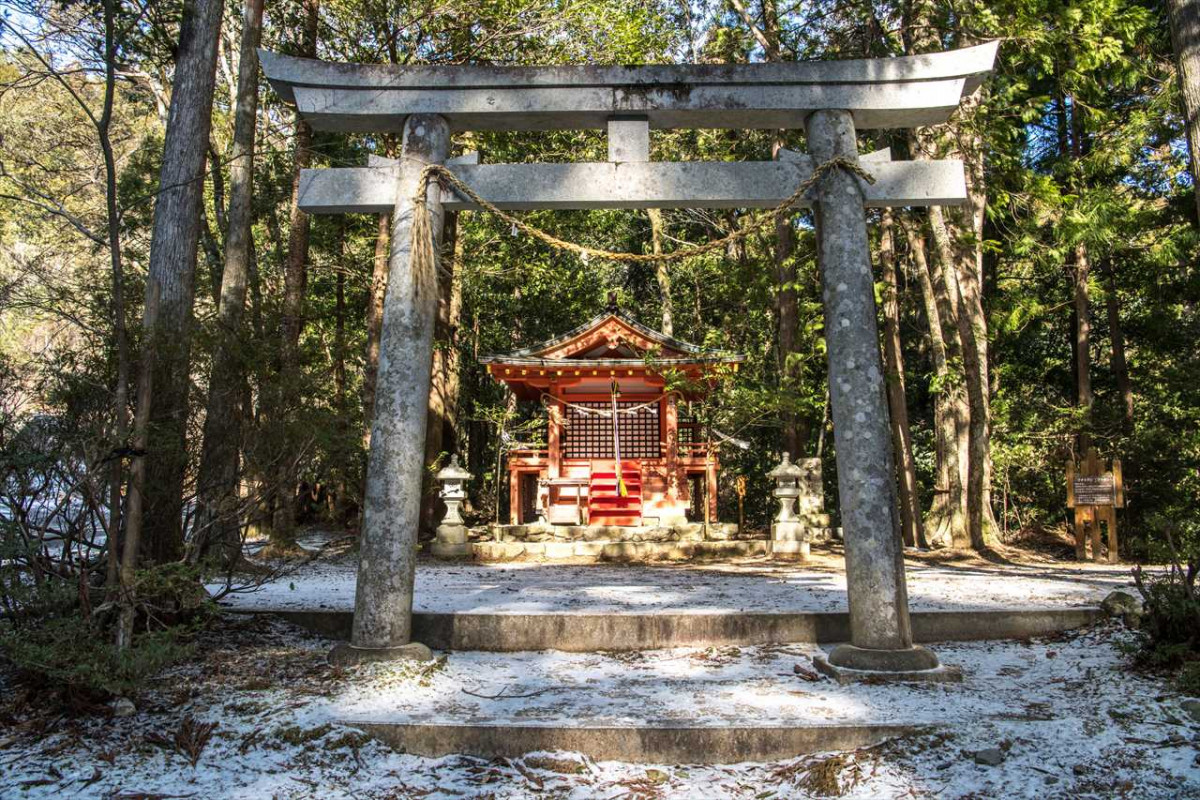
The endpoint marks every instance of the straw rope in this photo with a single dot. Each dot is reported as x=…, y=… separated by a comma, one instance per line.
x=424, y=255
x=597, y=412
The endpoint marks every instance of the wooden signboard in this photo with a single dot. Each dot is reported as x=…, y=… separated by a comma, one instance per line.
x=1095, y=494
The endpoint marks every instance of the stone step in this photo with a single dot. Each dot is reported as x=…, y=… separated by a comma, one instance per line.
x=618, y=517
x=666, y=706
x=641, y=745
x=720, y=704
x=591, y=632
x=616, y=502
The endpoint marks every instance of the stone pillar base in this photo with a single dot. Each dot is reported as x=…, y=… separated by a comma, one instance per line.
x=451, y=541
x=850, y=664
x=451, y=549
x=796, y=550
x=789, y=539
x=345, y=654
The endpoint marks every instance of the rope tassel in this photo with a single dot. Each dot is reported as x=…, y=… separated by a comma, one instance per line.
x=424, y=251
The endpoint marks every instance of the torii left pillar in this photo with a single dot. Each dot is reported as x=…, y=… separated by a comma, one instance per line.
x=383, y=598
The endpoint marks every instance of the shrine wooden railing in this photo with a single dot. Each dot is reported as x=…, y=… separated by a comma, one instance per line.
x=529, y=454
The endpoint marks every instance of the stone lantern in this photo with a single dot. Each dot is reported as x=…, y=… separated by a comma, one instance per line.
x=789, y=535
x=451, y=541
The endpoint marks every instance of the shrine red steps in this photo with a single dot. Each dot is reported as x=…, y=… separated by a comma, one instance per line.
x=606, y=506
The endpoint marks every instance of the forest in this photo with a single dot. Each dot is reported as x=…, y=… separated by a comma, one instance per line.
x=189, y=360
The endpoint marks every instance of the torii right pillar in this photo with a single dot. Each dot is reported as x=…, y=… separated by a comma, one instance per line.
x=881, y=641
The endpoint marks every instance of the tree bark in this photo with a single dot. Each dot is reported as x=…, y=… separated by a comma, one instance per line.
x=795, y=432
x=911, y=528
x=158, y=441
x=116, y=474
x=441, y=382
x=1081, y=303
x=1073, y=147
x=969, y=221
x=1185, y=36
x=661, y=272
x=379, y=281
x=958, y=279
x=950, y=287
x=1120, y=365
x=339, y=323
x=947, y=514
x=218, y=524
x=170, y=290
x=283, y=527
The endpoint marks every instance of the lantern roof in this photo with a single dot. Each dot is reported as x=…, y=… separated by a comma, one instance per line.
x=786, y=469
x=453, y=472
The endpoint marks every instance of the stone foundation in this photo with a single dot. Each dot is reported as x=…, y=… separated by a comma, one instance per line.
x=541, y=532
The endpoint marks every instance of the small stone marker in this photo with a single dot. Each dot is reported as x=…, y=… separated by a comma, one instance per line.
x=1095, y=494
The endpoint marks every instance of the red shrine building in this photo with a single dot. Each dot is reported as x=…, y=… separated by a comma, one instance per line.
x=649, y=463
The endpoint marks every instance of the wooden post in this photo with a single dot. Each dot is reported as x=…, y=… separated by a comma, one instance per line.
x=554, y=435
x=1080, y=547
x=671, y=429
x=1095, y=504
x=1092, y=468
x=741, y=493
x=1118, y=502
x=514, y=497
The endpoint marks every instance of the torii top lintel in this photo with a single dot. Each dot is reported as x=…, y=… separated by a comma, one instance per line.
x=897, y=92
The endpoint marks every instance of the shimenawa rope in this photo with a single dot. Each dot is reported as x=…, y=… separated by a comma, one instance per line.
x=424, y=256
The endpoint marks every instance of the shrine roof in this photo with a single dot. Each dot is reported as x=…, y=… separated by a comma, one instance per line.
x=614, y=339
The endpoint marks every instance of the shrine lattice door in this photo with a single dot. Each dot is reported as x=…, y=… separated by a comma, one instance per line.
x=590, y=435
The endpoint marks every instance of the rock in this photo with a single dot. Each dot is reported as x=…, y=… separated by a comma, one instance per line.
x=1192, y=707
x=805, y=673
x=1119, y=604
x=657, y=777
x=989, y=757
x=123, y=707
x=563, y=766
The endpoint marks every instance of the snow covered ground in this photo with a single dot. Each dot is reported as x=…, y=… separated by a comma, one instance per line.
x=751, y=585
x=1067, y=716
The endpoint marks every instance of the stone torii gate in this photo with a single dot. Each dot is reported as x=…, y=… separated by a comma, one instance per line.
x=830, y=100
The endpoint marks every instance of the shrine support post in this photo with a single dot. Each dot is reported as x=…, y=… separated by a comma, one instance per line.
x=392, y=504
x=880, y=630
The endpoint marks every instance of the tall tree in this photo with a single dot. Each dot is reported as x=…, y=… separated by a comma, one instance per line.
x=444, y=384
x=217, y=519
x=1185, y=36
x=767, y=33
x=155, y=503
x=1117, y=360
x=947, y=514
x=958, y=239
x=295, y=279
x=911, y=527
x=379, y=281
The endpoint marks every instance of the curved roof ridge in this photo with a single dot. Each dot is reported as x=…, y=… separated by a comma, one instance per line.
x=658, y=337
